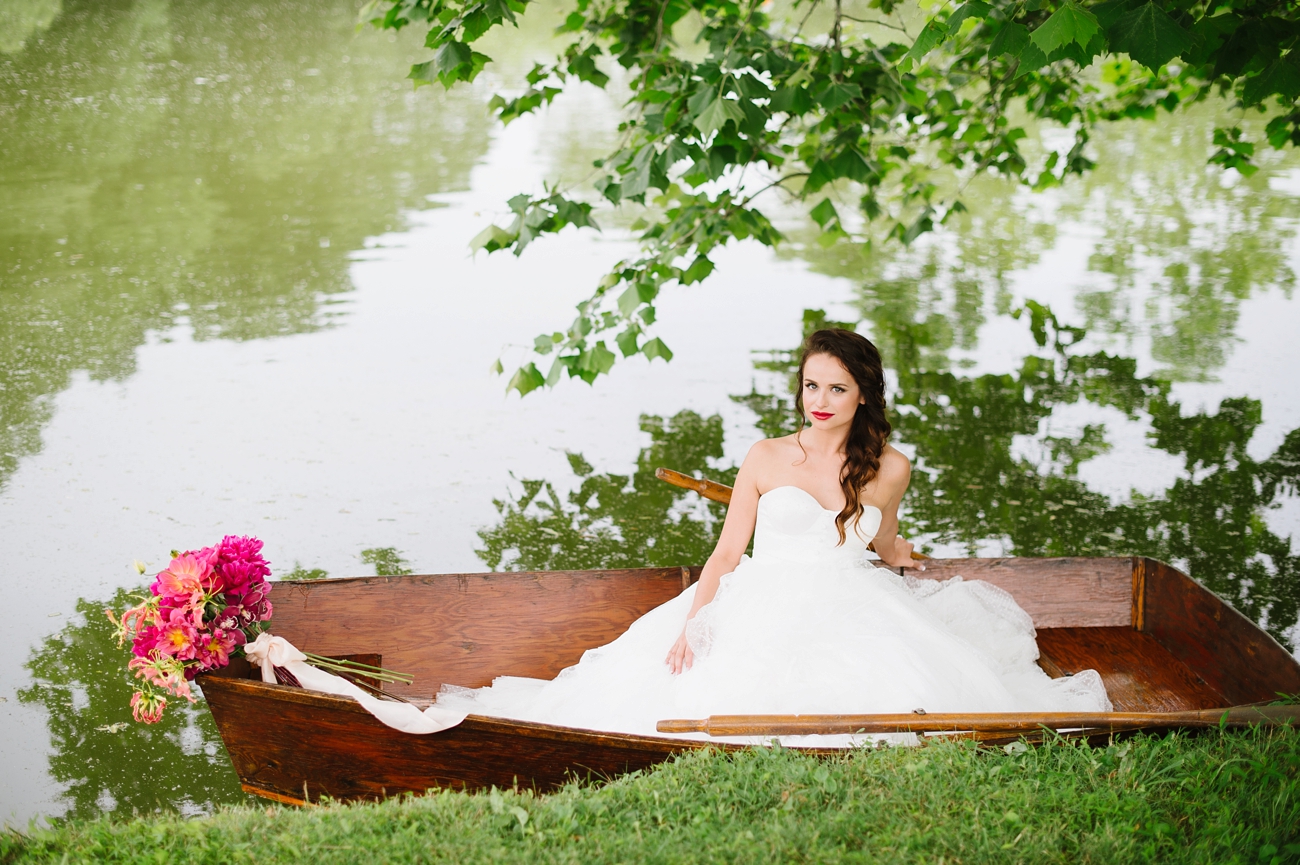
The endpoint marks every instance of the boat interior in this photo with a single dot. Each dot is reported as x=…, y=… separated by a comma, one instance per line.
x=1160, y=641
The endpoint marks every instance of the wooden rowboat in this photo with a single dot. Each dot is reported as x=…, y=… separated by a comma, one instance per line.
x=1161, y=642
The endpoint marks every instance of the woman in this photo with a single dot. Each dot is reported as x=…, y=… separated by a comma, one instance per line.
x=807, y=625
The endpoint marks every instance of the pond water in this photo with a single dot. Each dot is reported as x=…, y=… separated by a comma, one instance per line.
x=237, y=297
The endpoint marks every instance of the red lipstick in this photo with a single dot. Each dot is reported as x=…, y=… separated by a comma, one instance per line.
x=822, y=415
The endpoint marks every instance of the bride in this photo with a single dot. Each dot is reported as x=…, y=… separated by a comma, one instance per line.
x=807, y=625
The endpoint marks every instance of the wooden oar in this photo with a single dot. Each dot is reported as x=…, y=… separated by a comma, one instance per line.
x=717, y=492
x=980, y=722
x=709, y=489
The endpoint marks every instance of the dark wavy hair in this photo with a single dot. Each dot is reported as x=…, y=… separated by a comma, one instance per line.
x=870, y=428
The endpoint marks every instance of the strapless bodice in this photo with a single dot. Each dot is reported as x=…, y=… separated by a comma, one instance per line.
x=792, y=525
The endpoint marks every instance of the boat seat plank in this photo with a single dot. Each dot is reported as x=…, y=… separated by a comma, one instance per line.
x=1140, y=674
x=1067, y=592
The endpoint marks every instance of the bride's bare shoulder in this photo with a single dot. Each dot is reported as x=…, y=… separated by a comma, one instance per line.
x=895, y=468
x=769, y=450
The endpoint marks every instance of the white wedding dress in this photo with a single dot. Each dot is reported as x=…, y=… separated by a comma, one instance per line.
x=805, y=626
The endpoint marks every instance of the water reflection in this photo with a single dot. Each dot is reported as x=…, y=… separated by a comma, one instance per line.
x=1154, y=249
x=108, y=762
x=977, y=480
x=617, y=521
x=193, y=164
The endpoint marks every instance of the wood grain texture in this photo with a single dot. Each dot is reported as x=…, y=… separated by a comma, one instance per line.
x=709, y=489
x=1140, y=674
x=467, y=629
x=284, y=740
x=980, y=722
x=1227, y=650
x=1056, y=592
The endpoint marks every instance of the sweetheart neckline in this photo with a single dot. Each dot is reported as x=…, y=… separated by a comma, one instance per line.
x=814, y=499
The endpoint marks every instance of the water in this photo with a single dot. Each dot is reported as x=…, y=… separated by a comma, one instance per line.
x=237, y=297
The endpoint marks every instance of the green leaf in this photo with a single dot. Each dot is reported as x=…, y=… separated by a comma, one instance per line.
x=699, y=269
x=421, y=73
x=526, y=379
x=1149, y=36
x=491, y=238
x=838, y=94
x=822, y=173
x=851, y=164
x=969, y=9
x=628, y=301
x=716, y=114
x=1011, y=39
x=597, y=359
x=627, y=342
x=1282, y=77
x=557, y=369
x=931, y=35
x=1070, y=23
x=496, y=368
x=656, y=348
x=824, y=213
x=451, y=56
x=792, y=100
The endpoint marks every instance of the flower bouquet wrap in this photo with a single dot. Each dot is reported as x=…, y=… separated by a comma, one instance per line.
x=200, y=611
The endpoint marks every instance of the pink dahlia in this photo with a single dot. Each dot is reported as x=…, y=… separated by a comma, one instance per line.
x=184, y=578
x=178, y=637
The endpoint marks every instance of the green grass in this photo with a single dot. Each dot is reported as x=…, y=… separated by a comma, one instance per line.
x=1215, y=798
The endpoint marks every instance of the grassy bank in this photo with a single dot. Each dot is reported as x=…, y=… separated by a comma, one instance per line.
x=1217, y=798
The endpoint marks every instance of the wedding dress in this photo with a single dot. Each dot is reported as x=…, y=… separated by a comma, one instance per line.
x=805, y=626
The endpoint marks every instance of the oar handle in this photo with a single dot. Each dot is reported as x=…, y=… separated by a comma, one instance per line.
x=807, y=725
x=711, y=490
x=714, y=491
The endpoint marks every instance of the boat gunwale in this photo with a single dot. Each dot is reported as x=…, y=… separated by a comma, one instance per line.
x=530, y=729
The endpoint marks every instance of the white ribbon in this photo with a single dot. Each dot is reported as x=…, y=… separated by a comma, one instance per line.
x=269, y=652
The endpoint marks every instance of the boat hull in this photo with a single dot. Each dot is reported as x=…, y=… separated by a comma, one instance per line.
x=297, y=746
x=1161, y=642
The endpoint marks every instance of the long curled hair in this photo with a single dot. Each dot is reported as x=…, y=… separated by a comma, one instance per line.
x=870, y=428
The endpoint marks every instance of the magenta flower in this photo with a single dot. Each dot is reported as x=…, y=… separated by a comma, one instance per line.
x=146, y=640
x=242, y=549
x=215, y=648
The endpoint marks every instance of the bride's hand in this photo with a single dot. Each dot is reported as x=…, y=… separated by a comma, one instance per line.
x=680, y=657
x=901, y=555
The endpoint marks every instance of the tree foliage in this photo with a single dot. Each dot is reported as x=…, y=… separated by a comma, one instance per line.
x=856, y=124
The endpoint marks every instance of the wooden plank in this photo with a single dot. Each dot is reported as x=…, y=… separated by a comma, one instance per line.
x=467, y=629
x=293, y=745
x=1066, y=592
x=1220, y=645
x=1140, y=674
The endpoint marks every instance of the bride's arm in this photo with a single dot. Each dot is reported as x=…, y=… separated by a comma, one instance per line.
x=737, y=529
x=891, y=482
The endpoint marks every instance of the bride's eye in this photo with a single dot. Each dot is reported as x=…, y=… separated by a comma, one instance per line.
x=837, y=389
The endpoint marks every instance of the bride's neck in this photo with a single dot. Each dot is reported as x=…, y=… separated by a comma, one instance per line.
x=822, y=442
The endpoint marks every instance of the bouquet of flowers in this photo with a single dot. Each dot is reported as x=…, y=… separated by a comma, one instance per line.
x=200, y=612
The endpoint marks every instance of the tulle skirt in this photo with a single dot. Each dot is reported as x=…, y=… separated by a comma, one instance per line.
x=786, y=637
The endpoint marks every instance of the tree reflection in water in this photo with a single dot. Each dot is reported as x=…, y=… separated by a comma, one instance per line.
x=107, y=761
x=972, y=485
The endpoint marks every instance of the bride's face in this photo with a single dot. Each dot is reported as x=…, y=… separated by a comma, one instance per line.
x=830, y=395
